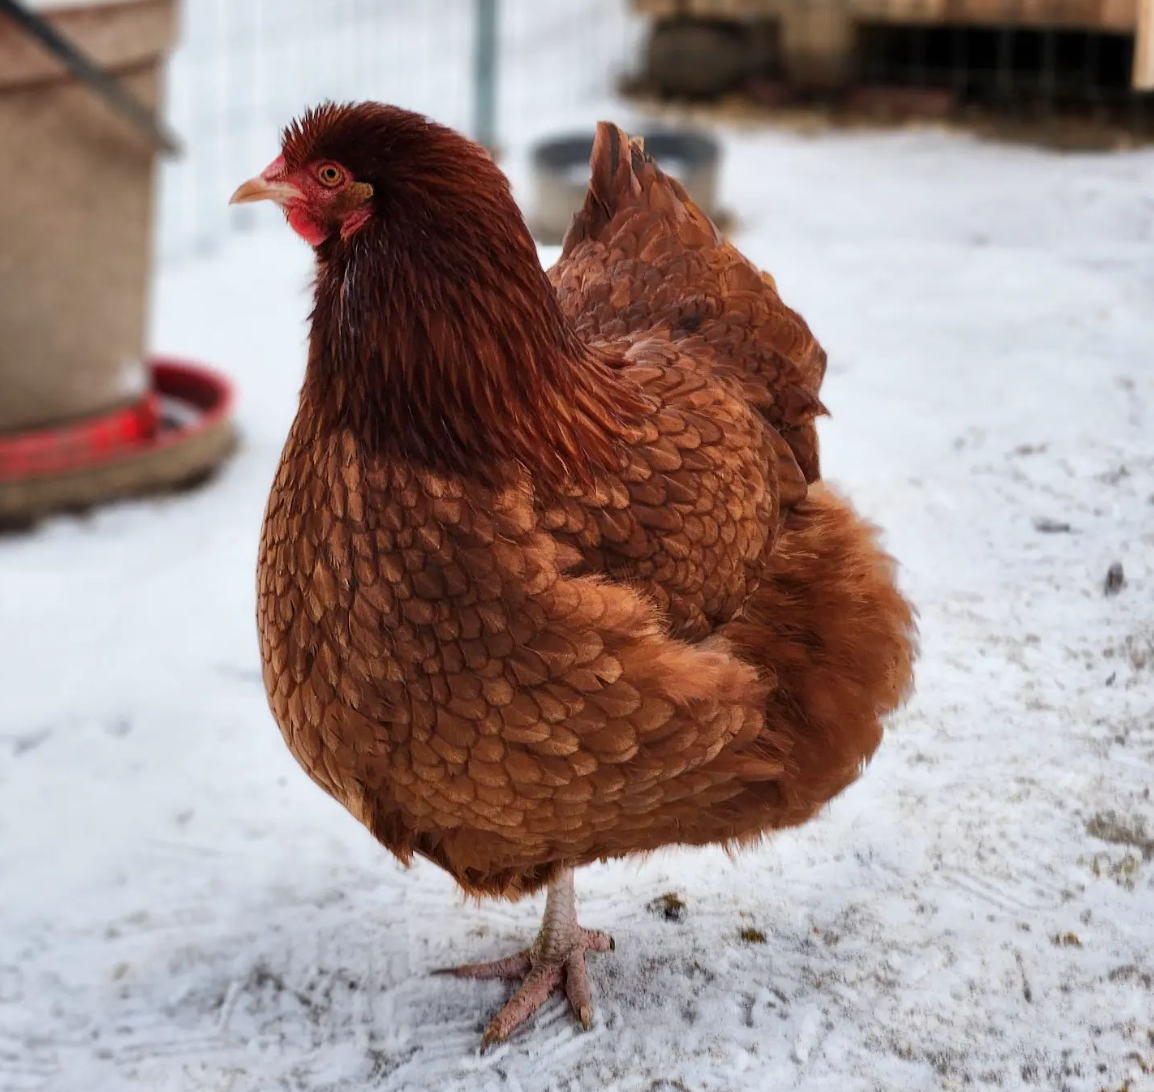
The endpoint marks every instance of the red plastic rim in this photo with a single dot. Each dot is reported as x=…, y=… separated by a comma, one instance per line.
x=125, y=432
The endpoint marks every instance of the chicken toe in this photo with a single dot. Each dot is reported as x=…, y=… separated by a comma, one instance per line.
x=514, y=966
x=556, y=960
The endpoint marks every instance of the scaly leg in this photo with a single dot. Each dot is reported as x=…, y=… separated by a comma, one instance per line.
x=555, y=960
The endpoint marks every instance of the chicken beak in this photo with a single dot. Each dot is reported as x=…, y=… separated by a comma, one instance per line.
x=263, y=189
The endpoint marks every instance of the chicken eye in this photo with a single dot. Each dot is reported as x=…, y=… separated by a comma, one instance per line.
x=330, y=175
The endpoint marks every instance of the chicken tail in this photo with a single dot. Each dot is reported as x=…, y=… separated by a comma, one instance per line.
x=623, y=174
x=651, y=260
x=836, y=640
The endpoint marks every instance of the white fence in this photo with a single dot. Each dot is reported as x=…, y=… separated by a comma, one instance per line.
x=244, y=69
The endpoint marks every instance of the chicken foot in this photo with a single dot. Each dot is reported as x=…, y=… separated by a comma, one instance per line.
x=555, y=960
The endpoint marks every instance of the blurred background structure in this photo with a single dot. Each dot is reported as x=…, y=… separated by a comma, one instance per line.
x=93, y=420
x=507, y=71
x=1038, y=54
x=243, y=70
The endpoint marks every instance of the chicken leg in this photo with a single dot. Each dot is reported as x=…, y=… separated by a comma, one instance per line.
x=555, y=960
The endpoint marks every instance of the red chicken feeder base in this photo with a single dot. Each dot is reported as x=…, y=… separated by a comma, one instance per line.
x=175, y=435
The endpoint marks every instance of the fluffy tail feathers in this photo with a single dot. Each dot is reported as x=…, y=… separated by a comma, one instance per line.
x=836, y=639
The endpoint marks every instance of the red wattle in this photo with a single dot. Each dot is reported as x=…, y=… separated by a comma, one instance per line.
x=306, y=227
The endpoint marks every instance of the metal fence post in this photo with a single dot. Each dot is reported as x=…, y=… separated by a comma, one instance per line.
x=485, y=74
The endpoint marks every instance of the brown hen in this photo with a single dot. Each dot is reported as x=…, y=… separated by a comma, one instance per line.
x=545, y=576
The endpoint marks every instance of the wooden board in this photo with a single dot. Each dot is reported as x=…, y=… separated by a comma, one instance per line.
x=1110, y=15
x=1143, y=76
x=817, y=46
x=707, y=9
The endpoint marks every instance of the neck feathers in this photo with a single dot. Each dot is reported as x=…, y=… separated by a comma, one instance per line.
x=440, y=339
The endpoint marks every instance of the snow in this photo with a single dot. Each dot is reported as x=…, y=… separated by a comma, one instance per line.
x=183, y=909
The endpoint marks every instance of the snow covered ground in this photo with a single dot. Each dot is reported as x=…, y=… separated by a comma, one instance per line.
x=183, y=910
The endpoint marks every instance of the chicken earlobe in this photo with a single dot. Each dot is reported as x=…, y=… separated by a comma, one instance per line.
x=555, y=960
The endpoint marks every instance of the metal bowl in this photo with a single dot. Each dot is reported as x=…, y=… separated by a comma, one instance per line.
x=561, y=174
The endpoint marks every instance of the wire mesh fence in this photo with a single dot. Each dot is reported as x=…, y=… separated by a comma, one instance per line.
x=1043, y=64
x=242, y=71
